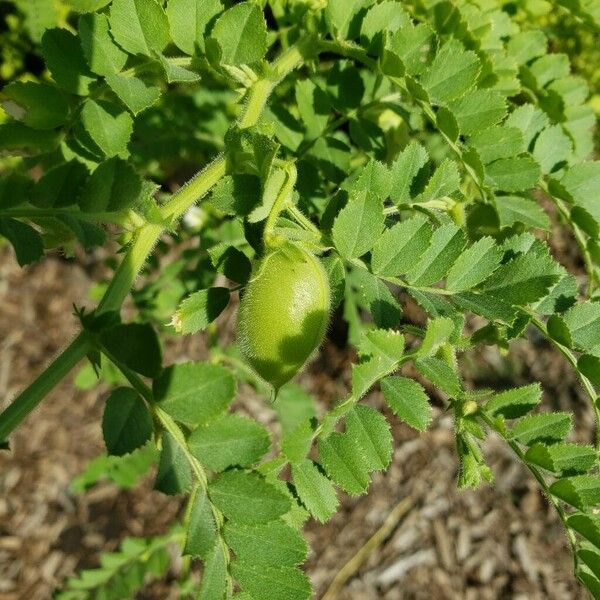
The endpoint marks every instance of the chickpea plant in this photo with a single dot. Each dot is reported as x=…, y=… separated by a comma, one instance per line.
x=346, y=151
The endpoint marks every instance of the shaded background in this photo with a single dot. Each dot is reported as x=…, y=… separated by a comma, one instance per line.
x=495, y=542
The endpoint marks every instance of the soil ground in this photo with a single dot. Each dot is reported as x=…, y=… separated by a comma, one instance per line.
x=496, y=542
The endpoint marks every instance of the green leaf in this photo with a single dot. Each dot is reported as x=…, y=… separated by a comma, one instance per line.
x=103, y=56
x=514, y=174
x=38, y=105
x=16, y=139
x=314, y=106
x=215, y=576
x=174, y=474
x=139, y=26
x=552, y=147
x=527, y=45
x=372, y=432
x=236, y=194
x=339, y=15
x=194, y=393
x=109, y=127
x=529, y=119
x=136, y=345
x=415, y=45
x=385, y=16
x=515, y=402
x=375, y=296
x=126, y=423
x=293, y=406
x=498, y=142
x=272, y=544
x=87, y=5
x=523, y=280
x=562, y=458
x=66, y=62
x=229, y=441
x=453, y=72
x=516, y=209
x=241, y=33
x=550, y=67
x=272, y=583
x=589, y=366
x=438, y=332
x=583, y=323
x=201, y=533
x=408, y=401
x=200, y=309
x=485, y=305
x=26, y=241
x=59, y=186
x=474, y=265
x=442, y=183
x=358, y=225
x=133, y=92
x=403, y=171
x=441, y=374
x=545, y=427
x=446, y=245
x=581, y=185
x=175, y=73
x=189, y=19
x=478, y=110
x=296, y=444
x=580, y=491
x=340, y=456
x=314, y=490
x=586, y=525
x=248, y=499
x=113, y=186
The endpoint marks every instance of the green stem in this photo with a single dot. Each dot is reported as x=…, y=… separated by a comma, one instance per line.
x=281, y=200
x=514, y=446
x=144, y=241
x=91, y=217
x=29, y=398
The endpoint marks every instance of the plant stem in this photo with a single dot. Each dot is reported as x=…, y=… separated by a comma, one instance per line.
x=144, y=241
x=91, y=217
x=29, y=398
x=514, y=446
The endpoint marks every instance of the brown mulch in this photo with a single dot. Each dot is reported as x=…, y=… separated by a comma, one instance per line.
x=499, y=541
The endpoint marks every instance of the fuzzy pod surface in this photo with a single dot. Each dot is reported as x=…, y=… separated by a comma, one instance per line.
x=283, y=312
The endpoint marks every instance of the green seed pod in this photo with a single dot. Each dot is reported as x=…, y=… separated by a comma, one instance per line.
x=283, y=312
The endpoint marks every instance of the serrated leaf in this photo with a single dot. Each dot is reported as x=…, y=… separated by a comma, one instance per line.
x=396, y=250
x=408, y=401
x=562, y=457
x=314, y=490
x=403, y=171
x=583, y=323
x=293, y=406
x=314, y=106
x=415, y=45
x=174, y=474
x=135, y=93
x=139, y=26
x=515, y=402
x=441, y=374
x=523, y=280
x=474, y=265
x=66, y=62
x=136, y=345
x=444, y=181
x=296, y=444
x=59, y=186
x=552, y=147
x=126, y=422
x=516, y=209
x=358, y=225
x=438, y=332
x=549, y=67
x=272, y=544
x=339, y=15
x=372, y=432
x=113, y=186
x=189, y=20
x=375, y=296
x=247, y=498
x=581, y=184
x=194, y=393
x=26, y=241
x=453, y=72
x=175, y=73
x=580, y=491
x=514, y=174
x=200, y=309
x=478, y=110
x=108, y=126
x=446, y=245
x=498, y=142
x=272, y=583
x=527, y=45
x=241, y=33
x=38, y=105
x=529, y=119
x=229, y=441
x=103, y=56
x=586, y=525
x=201, y=533
x=545, y=427
x=589, y=365
x=340, y=456
x=215, y=576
